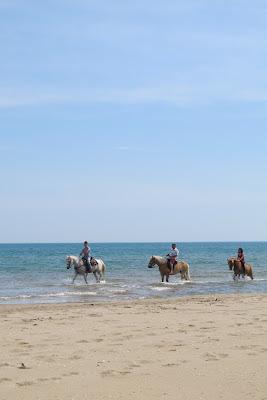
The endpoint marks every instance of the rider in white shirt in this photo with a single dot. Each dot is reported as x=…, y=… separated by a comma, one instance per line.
x=86, y=254
x=172, y=257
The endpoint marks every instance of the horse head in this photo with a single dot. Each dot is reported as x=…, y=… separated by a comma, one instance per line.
x=68, y=262
x=152, y=262
x=231, y=262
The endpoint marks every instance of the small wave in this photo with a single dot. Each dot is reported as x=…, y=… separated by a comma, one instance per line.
x=22, y=296
x=120, y=292
x=60, y=294
x=160, y=289
x=259, y=279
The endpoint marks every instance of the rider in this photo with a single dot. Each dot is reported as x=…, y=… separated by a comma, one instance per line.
x=172, y=257
x=85, y=253
x=241, y=258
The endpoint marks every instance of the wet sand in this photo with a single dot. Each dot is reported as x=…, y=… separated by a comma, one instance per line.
x=209, y=347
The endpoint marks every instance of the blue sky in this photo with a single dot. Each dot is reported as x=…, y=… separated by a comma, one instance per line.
x=133, y=121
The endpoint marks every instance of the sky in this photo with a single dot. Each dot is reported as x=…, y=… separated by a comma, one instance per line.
x=133, y=121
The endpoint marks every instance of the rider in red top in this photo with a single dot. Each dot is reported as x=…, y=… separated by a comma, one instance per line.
x=241, y=258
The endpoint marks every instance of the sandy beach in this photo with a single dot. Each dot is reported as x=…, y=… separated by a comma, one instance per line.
x=209, y=347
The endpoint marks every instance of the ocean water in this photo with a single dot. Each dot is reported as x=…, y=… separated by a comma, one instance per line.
x=36, y=273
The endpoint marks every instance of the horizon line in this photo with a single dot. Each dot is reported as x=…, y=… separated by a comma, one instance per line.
x=142, y=242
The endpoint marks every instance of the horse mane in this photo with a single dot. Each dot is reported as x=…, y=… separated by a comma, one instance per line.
x=159, y=257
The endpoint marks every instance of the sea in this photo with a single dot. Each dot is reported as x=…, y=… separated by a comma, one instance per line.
x=36, y=273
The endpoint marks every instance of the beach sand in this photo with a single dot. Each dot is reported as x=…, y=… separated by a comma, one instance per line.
x=210, y=347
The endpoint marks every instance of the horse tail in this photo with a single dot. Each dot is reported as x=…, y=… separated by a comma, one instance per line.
x=104, y=270
x=251, y=273
x=188, y=273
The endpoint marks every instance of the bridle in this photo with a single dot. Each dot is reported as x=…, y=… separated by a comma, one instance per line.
x=151, y=263
x=69, y=262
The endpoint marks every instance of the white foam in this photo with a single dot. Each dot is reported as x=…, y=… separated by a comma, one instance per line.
x=160, y=289
x=60, y=294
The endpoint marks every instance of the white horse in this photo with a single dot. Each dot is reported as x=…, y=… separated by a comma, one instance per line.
x=98, y=268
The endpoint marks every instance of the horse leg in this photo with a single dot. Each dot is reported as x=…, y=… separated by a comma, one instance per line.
x=75, y=276
x=85, y=278
x=167, y=278
x=96, y=277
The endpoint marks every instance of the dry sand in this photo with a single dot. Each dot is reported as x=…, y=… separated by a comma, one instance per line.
x=190, y=348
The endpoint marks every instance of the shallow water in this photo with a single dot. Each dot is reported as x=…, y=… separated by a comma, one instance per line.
x=36, y=273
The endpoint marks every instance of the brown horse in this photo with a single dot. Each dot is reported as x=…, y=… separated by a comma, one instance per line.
x=236, y=266
x=181, y=267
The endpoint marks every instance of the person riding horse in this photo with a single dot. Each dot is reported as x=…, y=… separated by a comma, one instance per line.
x=85, y=254
x=241, y=258
x=172, y=257
x=86, y=257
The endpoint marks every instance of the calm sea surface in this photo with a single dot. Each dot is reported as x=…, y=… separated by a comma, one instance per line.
x=36, y=273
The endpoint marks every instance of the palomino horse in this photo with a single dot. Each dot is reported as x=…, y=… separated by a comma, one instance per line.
x=98, y=268
x=181, y=267
x=236, y=266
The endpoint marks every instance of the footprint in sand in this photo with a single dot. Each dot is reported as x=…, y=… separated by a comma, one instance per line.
x=75, y=357
x=4, y=365
x=210, y=357
x=144, y=362
x=223, y=355
x=170, y=365
x=5, y=380
x=108, y=373
x=82, y=341
x=25, y=383
x=43, y=379
x=134, y=365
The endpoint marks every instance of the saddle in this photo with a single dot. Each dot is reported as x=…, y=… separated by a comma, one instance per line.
x=87, y=265
x=90, y=265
